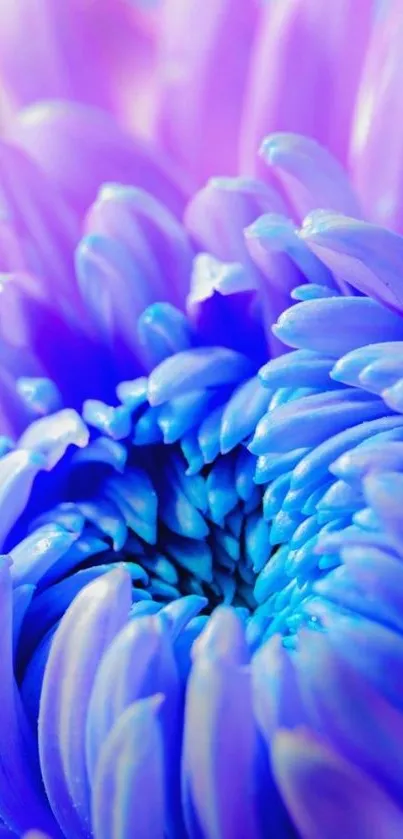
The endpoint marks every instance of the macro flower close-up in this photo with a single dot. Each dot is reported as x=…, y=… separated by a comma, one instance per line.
x=201, y=419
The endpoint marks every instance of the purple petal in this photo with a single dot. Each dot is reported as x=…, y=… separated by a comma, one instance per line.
x=115, y=294
x=219, y=738
x=20, y=777
x=189, y=75
x=157, y=241
x=328, y=796
x=77, y=52
x=375, y=157
x=218, y=214
x=305, y=58
x=82, y=148
x=38, y=231
x=94, y=618
x=128, y=792
x=309, y=174
x=366, y=256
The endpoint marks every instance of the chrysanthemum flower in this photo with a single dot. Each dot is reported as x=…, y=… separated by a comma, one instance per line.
x=200, y=607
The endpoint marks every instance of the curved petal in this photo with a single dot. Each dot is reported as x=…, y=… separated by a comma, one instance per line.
x=304, y=59
x=19, y=775
x=309, y=174
x=377, y=140
x=38, y=231
x=158, y=242
x=337, y=325
x=101, y=54
x=219, y=737
x=128, y=793
x=80, y=148
x=91, y=622
x=366, y=256
x=328, y=796
x=194, y=41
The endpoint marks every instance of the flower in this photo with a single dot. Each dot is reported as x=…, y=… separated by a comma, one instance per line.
x=201, y=548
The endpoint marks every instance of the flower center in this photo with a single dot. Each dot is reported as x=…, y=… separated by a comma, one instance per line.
x=183, y=529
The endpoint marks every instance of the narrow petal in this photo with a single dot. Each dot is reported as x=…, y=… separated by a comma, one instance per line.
x=81, y=148
x=38, y=230
x=377, y=138
x=19, y=776
x=311, y=420
x=87, y=628
x=287, y=99
x=366, y=256
x=51, y=436
x=158, y=242
x=208, y=366
x=214, y=101
x=33, y=556
x=219, y=734
x=217, y=215
x=314, y=325
x=309, y=174
x=128, y=792
x=54, y=65
x=18, y=471
x=383, y=492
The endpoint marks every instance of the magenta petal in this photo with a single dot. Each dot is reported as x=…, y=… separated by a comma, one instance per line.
x=376, y=150
x=101, y=54
x=38, y=231
x=326, y=795
x=219, y=738
x=366, y=256
x=218, y=214
x=311, y=177
x=128, y=793
x=81, y=148
x=305, y=73
x=200, y=108
x=96, y=615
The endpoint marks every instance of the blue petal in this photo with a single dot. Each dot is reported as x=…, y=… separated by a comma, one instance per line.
x=243, y=411
x=163, y=331
x=315, y=325
x=52, y=435
x=206, y=366
x=38, y=552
